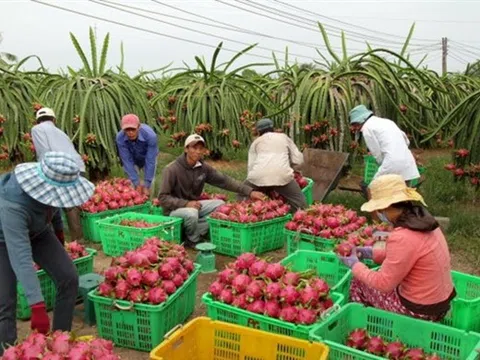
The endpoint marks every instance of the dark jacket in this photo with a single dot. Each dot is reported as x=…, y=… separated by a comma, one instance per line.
x=22, y=219
x=182, y=183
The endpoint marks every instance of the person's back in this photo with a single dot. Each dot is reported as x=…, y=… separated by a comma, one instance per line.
x=270, y=160
x=47, y=137
x=392, y=143
x=429, y=280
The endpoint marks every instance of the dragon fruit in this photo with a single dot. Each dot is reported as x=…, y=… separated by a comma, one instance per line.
x=357, y=339
x=216, y=288
x=272, y=308
x=375, y=345
x=240, y=283
x=244, y=261
x=258, y=268
x=156, y=296
x=258, y=307
x=274, y=271
x=288, y=313
x=306, y=316
x=414, y=354
x=394, y=350
x=291, y=278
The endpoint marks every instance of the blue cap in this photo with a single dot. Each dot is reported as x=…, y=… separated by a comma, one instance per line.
x=359, y=114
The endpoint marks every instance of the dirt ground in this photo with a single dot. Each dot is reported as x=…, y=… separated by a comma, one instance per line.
x=204, y=280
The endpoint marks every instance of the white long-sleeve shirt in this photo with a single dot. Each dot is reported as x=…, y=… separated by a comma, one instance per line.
x=389, y=145
x=270, y=160
x=47, y=137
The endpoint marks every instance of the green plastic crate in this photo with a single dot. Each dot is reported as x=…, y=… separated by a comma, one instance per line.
x=89, y=220
x=217, y=310
x=117, y=239
x=84, y=265
x=448, y=343
x=327, y=265
x=234, y=239
x=301, y=241
x=371, y=168
x=308, y=192
x=465, y=308
x=142, y=326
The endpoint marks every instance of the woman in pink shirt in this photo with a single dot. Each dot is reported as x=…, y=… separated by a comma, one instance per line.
x=414, y=278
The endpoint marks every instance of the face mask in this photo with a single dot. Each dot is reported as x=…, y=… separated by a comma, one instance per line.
x=383, y=218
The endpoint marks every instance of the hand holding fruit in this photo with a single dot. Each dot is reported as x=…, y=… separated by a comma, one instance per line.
x=257, y=195
x=365, y=252
x=194, y=204
x=351, y=259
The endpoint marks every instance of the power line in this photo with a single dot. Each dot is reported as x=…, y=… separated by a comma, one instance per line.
x=243, y=30
x=307, y=21
x=382, y=18
x=341, y=22
x=465, y=46
x=104, y=3
x=144, y=30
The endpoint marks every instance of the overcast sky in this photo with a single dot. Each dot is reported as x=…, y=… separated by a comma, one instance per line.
x=32, y=28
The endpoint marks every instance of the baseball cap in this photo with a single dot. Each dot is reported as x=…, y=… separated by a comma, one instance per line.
x=130, y=121
x=194, y=138
x=45, y=112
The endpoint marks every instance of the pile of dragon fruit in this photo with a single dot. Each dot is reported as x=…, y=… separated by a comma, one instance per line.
x=148, y=274
x=113, y=194
x=335, y=222
x=60, y=346
x=249, y=211
x=327, y=221
x=74, y=249
x=270, y=289
x=396, y=350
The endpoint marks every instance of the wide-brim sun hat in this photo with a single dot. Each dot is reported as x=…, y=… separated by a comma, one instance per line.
x=387, y=190
x=359, y=114
x=55, y=181
x=264, y=124
x=45, y=112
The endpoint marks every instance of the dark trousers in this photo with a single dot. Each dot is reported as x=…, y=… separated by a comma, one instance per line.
x=52, y=257
x=364, y=187
x=291, y=192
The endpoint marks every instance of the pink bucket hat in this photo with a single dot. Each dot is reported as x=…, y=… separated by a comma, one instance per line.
x=130, y=121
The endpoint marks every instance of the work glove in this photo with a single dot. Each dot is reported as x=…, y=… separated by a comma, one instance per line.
x=60, y=236
x=366, y=252
x=39, y=320
x=351, y=260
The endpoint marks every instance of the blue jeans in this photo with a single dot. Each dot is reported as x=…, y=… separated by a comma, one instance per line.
x=195, y=221
x=52, y=257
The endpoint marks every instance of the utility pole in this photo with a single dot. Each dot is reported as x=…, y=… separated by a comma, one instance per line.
x=444, y=55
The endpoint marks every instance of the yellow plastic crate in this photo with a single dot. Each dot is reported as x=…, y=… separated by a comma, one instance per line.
x=205, y=339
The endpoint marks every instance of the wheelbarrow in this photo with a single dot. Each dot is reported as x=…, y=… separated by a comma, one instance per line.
x=325, y=168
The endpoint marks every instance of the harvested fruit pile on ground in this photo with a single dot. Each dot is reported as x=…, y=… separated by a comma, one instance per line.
x=138, y=223
x=255, y=285
x=148, y=274
x=251, y=211
x=74, y=250
x=327, y=221
x=396, y=350
x=113, y=194
x=60, y=346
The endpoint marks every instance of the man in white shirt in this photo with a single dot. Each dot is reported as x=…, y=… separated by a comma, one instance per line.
x=47, y=137
x=386, y=142
x=270, y=160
